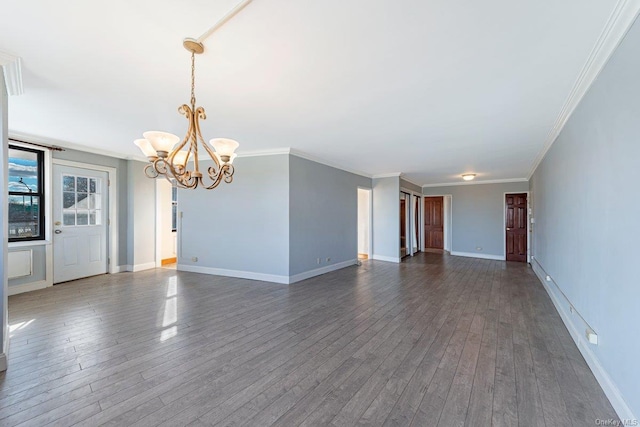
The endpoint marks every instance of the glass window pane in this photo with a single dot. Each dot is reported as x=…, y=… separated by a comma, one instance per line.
x=92, y=185
x=82, y=218
x=82, y=184
x=83, y=201
x=69, y=218
x=24, y=216
x=23, y=171
x=98, y=215
x=68, y=200
x=92, y=218
x=68, y=183
x=95, y=201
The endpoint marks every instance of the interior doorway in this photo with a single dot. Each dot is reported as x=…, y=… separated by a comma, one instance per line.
x=516, y=227
x=415, y=222
x=405, y=225
x=166, y=223
x=434, y=223
x=364, y=223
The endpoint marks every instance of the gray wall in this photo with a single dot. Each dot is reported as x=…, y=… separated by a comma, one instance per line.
x=242, y=226
x=4, y=230
x=410, y=186
x=586, y=209
x=477, y=215
x=386, y=217
x=323, y=214
x=38, y=267
x=121, y=170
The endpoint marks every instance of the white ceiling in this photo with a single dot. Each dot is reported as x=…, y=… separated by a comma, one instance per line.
x=432, y=88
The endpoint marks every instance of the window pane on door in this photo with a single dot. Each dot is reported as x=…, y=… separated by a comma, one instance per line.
x=81, y=201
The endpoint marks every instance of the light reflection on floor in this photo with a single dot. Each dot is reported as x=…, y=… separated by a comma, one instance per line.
x=170, y=310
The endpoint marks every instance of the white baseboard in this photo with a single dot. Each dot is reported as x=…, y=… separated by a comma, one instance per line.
x=606, y=382
x=387, y=258
x=477, y=255
x=137, y=267
x=235, y=273
x=28, y=287
x=5, y=350
x=322, y=270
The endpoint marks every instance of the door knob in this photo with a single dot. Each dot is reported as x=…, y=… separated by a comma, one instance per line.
x=508, y=229
x=58, y=231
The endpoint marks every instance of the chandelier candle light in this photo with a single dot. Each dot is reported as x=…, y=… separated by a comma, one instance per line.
x=172, y=161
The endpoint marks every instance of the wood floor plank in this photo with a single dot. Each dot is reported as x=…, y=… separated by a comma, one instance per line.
x=435, y=340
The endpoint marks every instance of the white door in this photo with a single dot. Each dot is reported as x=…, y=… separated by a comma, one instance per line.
x=79, y=223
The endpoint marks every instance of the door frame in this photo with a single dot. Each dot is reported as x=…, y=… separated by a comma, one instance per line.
x=370, y=225
x=420, y=243
x=447, y=210
x=112, y=200
x=504, y=224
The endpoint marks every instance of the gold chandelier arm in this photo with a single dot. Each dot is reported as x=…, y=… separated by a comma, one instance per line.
x=224, y=173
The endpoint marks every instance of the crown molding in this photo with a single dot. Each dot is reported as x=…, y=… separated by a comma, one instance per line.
x=403, y=177
x=620, y=21
x=388, y=175
x=258, y=153
x=71, y=146
x=489, y=181
x=12, y=65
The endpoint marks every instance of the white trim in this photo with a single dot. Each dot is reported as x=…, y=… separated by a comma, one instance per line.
x=619, y=22
x=29, y=243
x=28, y=287
x=72, y=146
x=504, y=222
x=386, y=258
x=113, y=206
x=491, y=181
x=387, y=175
x=120, y=269
x=322, y=270
x=12, y=65
x=606, y=382
x=410, y=192
x=259, y=153
x=137, y=267
x=481, y=256
x=235, y=273
x=302, y=155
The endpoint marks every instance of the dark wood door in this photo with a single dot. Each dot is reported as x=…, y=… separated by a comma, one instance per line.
x=516, y=225
x=433, y=223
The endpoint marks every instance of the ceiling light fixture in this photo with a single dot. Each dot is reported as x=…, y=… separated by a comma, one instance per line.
x=172, y=161
x=468, y=176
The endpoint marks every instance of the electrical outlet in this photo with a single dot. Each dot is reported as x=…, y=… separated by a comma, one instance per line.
x=328, y=259
x=478, y=248
x=571, y=309
x=592, y=336
x=548, y=278
x=194, y=259
x=318, y=260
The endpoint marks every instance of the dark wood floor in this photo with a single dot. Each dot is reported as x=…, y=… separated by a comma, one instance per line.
x=437, y=340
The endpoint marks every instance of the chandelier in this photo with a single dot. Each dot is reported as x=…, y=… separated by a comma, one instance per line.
x=170, y=158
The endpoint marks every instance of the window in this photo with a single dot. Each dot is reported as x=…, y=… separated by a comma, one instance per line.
x=26, y=197
x=174, y=208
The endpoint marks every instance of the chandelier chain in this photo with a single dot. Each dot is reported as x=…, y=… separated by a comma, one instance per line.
x=193, y=81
